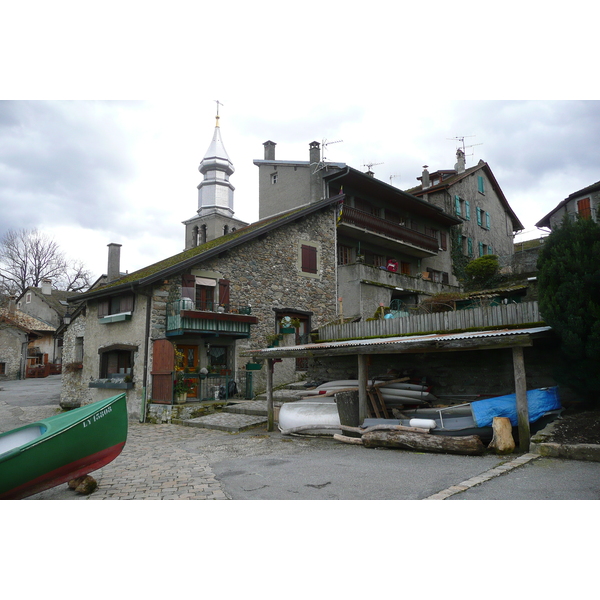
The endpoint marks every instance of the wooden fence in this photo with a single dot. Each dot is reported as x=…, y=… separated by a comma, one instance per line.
x=489, y=316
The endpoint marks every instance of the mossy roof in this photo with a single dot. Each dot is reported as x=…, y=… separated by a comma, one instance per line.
x=189, y=258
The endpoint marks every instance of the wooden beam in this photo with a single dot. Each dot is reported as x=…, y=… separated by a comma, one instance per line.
x=270, y=411
x=363, y=376
x=521, y=392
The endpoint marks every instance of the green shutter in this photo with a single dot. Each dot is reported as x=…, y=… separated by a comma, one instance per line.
x=490, y=250
x=467, y=210
x=469, y=246
x=457, y=205
x=487, y=220
x=480, y=184
x=480, y=248
x=478, y=216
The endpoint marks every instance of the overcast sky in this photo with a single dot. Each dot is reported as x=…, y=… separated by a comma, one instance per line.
x=396, y=84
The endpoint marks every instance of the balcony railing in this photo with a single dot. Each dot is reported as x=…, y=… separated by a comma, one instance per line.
x=359, y=218
x=185, y=316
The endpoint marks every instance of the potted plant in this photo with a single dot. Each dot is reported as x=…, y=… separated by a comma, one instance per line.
x=285, y=326
x=182, y=387
x=273, y=340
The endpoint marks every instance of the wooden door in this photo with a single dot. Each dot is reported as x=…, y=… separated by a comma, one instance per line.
x=190, y=360
x=163, y=367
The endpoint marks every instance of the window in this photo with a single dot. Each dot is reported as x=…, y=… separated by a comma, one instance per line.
x=462, y=208
x=443, y=241
x=28, y=298
x=308, y=259
x=115, y=305
x=116, y=361
x=480, y=184
x=274, y=178
x=344, y=255
x=405, y=268
x=78, y=350
x=2, y=368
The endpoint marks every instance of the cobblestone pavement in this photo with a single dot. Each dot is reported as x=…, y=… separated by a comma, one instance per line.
x=155, y=465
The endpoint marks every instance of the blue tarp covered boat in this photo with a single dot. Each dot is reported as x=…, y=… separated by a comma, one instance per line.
x=476, y=418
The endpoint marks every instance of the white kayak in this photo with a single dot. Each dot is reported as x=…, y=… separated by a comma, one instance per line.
x=308, y=413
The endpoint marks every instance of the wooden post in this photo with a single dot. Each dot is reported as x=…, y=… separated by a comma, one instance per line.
x=521, y=392
x=270, y=412
x=362, y=387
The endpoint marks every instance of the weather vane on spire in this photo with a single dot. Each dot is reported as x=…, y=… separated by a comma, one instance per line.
x=218, y=104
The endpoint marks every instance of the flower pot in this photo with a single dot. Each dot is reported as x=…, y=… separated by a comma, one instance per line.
x=181, y=398
x=287, y=330
x=253, y=366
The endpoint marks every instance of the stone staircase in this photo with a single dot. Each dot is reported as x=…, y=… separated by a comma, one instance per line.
x=240, y=415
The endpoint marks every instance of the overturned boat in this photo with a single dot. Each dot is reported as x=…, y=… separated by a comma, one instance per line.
x=52, y=451
x=476, y=418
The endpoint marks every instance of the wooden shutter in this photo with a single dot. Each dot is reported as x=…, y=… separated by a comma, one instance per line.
x=103, y=308
x=223, y=291
x=163, y=366
x=127, y=303
x=584, y=209
x=478, y=216
x=309, y=259
x=467, y=210
x=487, y=220
x=443, y=242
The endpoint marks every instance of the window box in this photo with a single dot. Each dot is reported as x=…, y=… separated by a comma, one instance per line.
x=287, y=330
x=115, y=318
x=253, y=366
x=111, y=384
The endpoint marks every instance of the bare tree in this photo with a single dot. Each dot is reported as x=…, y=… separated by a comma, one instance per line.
x=27, y=256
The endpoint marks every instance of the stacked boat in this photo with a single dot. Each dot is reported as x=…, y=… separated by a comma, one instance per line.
x=318, y=406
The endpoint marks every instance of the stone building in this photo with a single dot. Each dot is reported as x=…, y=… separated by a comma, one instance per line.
x=392, y=247
x=584, y=203
x=198, y=310
x=487, y=222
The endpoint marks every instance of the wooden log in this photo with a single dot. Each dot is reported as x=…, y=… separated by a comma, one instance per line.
x=424, y=442
x=383, y=427
x=502, y=440
x=347, y=439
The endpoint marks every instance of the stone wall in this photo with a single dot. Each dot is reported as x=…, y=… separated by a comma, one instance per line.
x=74, y=390
x=12, y=341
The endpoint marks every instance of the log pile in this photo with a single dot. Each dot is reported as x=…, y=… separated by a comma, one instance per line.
x=413, y=438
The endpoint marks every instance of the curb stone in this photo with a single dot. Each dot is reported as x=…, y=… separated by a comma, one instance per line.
x=483, y=477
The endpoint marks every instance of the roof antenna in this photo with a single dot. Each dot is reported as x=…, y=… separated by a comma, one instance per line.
x=369, y=165
x=324, y=145
x=461, y=139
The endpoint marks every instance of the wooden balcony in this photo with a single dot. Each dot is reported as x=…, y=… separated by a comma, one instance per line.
x=421, y=244
x=184, y=318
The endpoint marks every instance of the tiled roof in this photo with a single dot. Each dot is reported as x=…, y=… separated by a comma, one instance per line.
x=192, y=256
x=24, y=321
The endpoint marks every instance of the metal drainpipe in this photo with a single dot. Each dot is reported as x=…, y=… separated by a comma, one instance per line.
x=146, y=354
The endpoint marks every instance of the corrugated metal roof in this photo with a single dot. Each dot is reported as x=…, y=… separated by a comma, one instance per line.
x=411, y=339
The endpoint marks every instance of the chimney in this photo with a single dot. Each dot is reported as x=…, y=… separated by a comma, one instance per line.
x=269, y=150
x=459, y=167
x=47, y=287
x=12, y=306
x=314, y=153
x=425, y=177
x=114, y=262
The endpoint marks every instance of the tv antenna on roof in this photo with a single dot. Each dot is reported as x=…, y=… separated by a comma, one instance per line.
x=369, y=165
x=324, y=146
x=392, y=177
x=461, y=139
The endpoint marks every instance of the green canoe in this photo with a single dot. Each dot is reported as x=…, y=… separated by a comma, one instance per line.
x=47, y=453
